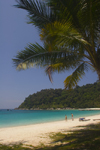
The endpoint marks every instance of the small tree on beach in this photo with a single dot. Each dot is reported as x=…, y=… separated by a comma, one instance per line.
x=70, y=31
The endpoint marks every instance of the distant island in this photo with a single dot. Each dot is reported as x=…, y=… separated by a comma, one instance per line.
x=87, y=96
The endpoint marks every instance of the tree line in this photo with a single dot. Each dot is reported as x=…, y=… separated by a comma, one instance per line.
x=87, y=96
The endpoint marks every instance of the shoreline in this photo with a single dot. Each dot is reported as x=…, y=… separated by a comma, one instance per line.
x=50, y=121
x=39, y=133
x=59, y=109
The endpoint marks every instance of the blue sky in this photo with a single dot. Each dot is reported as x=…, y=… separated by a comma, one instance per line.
x=15, y=34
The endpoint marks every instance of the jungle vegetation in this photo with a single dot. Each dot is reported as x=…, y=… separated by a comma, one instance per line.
x=87, y=96
x=70, y=31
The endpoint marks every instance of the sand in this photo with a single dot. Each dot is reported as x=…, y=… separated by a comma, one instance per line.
x=39, y=133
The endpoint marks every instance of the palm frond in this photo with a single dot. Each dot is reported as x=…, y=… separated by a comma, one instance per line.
x=36, y=55
x=70, y=31
x=49, y=72
x=68, y=61
x=29, y=57
x=38, y=12
x=72, y=80
x=63, y=32
x=89, y=18
x=66, y=6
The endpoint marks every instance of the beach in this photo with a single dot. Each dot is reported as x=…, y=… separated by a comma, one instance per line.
x=38, y=134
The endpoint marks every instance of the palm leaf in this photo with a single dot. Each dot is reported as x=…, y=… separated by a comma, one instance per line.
x=38, y=12
x=63, y=32
x=70, y=31
x=68, y=60
x=29, y=57
x=36, y=55
x=72, y=80
x=59, y=5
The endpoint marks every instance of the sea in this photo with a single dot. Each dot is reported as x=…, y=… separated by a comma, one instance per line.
x=10, y=118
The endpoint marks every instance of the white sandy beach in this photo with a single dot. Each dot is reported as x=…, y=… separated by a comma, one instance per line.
x=39, y=133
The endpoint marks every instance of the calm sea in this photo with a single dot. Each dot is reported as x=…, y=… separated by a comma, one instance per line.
x=26, y=117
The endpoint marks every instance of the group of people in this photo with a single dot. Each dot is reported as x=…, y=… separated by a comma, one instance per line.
x=72, y=117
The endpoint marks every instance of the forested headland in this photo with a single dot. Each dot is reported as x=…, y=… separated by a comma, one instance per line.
x=87, y=96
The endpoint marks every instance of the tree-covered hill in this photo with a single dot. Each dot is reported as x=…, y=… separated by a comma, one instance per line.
x=87, y=96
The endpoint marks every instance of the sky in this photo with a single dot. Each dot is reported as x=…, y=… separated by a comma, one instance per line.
x=15, y=34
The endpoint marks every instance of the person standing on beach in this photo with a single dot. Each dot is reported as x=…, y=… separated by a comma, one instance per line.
x=65, y=117
x=72, y=117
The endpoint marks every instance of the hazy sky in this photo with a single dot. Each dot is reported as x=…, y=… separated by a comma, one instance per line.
x=15, y=34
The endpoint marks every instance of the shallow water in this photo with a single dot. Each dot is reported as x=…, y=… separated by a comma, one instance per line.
x=26, y=117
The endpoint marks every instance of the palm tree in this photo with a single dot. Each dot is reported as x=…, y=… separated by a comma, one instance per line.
x=70, y=31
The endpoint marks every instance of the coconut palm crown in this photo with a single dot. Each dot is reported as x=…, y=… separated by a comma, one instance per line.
x=70, y=31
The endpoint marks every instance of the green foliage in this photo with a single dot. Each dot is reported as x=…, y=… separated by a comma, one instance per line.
x=70, y=31
x=81, y=97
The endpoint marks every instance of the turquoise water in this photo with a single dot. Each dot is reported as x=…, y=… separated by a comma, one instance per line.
x=26, y=117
